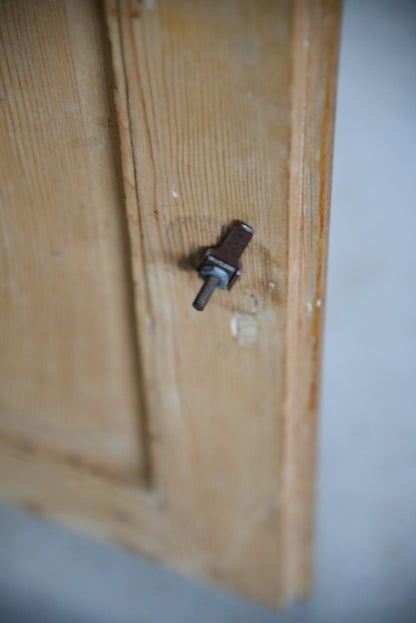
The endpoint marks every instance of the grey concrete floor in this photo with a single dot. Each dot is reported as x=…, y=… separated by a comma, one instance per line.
x=366, y=549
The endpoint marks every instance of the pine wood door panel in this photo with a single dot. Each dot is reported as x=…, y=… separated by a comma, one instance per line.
x=69, y=363
x=132, y=135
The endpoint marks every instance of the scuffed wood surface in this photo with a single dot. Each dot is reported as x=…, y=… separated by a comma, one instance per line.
x=223, y=111
x=207, y=128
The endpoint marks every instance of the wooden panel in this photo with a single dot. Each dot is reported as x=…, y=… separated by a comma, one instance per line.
x=314, y=68
x=208, y=118
x=207, y=97
x=83, y=497
x=68, y=354
x=224, y=111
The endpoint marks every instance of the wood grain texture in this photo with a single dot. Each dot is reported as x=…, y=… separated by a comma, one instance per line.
x=213, y=121
x=209, y=137
x=224, y=111
x=68, y=361
x=315, y=38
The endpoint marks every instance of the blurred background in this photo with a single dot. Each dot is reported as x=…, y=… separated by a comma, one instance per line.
x=366, y=498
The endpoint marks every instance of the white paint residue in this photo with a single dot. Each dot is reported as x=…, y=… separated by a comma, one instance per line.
x=68, y=105
x=174, y=193
x=309, y=308
x=272, y=286
x=244, y=329
x=319, y=303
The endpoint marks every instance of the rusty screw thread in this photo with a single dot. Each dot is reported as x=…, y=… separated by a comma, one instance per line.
x=203, y=296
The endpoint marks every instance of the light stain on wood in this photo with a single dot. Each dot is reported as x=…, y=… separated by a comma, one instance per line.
x=125, y=413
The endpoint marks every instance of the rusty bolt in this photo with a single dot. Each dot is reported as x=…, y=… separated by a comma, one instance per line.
x=220, y=267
